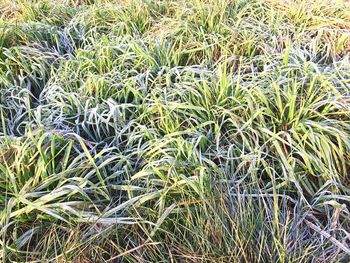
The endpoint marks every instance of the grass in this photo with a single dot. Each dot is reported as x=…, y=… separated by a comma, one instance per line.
x=174, y=131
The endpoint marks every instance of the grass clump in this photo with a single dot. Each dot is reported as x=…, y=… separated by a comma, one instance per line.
x=174, y=131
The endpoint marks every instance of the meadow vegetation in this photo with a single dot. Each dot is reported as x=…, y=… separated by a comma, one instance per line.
x=174, y=131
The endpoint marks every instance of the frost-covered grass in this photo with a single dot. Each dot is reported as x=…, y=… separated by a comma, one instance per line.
x=174, y=131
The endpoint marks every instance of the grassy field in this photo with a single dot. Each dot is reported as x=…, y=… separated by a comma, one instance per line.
x=174, y=131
